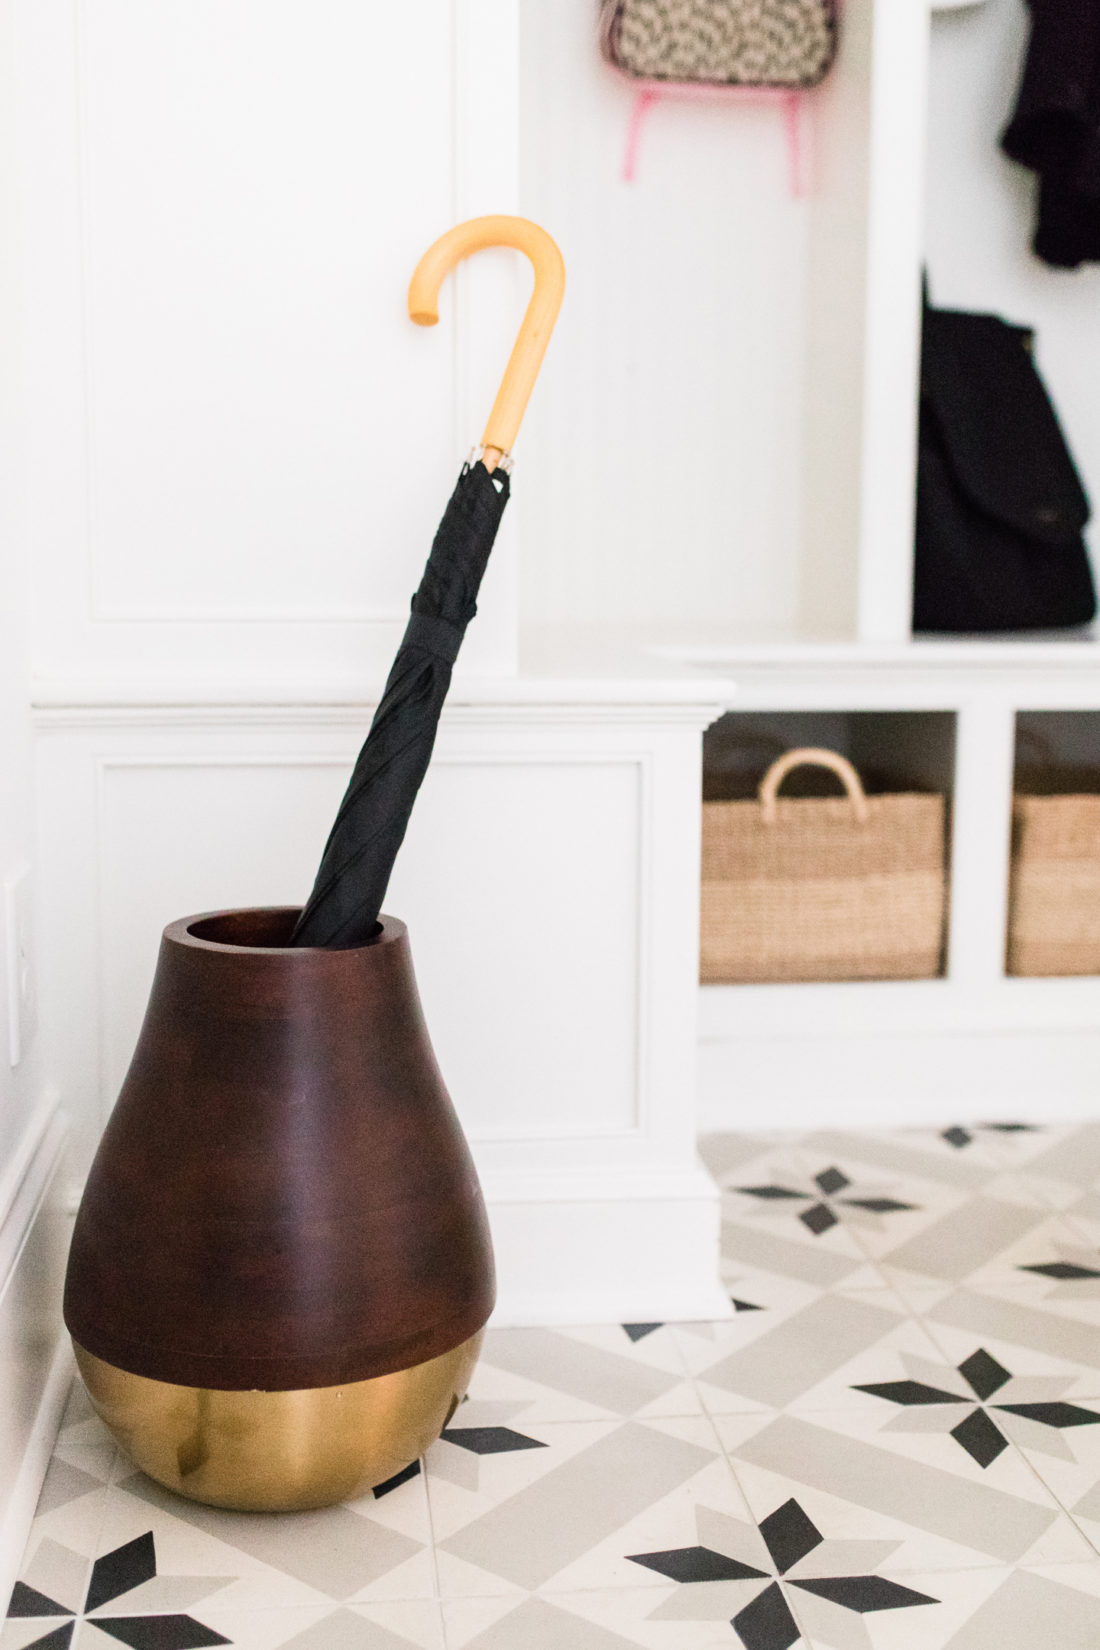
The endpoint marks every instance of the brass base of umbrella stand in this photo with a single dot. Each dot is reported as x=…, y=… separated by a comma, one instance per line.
x=281, y=1266
x=279, y=1451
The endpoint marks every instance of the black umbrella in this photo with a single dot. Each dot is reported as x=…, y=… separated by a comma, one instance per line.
x=370, y=826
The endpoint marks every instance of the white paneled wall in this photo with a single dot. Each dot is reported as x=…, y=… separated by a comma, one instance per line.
x=550, y=885
x=239, y=444
x=35, y=1368
x=239, y=448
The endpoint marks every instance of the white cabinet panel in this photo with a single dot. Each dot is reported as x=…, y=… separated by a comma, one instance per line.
x=534, y=1037
x=497, y=855
x=259, y=181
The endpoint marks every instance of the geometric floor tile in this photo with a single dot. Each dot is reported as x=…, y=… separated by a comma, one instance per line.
x=591, y=1479
x=1023, y=1332
x=982, y=1406
x=341, y=1554
x=1031, y=1608
x=891, y=1443
x=948, y=1508
x=585, y=1373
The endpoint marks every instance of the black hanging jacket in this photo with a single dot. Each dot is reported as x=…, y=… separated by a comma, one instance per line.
x=1055, y=128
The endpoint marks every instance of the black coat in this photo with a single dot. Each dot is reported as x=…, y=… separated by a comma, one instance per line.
x=1055, y=128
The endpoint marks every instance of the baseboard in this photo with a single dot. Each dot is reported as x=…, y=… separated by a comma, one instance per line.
x=35, y=1362
x=901, y=1080
x=643, y=1250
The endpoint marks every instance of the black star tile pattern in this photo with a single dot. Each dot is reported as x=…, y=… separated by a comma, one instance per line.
x=114, y=1575
x=767, y=1621
x=1063, y=1271
x=978, y=1432
x=159, y=1632
x=399, y=1478
x=25, y=1601
x=639, y=1331
x=59, y=1639
x=490, y=1440
x=959, y=1137
x=826, y=1205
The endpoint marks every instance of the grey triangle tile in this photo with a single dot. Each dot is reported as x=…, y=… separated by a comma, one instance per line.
x=37, y=1635
x=1071, y=1156
x=963, y=1239
x=349, y=1630
x=58, y=1572
x=78, y=1406
x=89, y=1447
x=1073, y=1477
x=534, y=1533
x=788, y=1254
x=167, y=1595
x=813, y=1357
x=569, y=1376
x=291, y=1558
x=536, y=1624
x=63, y=1484
x=1055, y=1605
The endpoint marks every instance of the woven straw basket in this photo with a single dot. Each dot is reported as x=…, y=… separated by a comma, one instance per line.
x=1054, y=903
x=850, y=888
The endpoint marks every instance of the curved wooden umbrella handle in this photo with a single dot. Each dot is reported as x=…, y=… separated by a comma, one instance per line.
x=538, y=323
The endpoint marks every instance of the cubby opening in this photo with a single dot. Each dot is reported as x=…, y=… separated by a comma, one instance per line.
x=1054, y=879
x=980, y=211
x=892, y=751
x=1057, y=753
x=739, y=466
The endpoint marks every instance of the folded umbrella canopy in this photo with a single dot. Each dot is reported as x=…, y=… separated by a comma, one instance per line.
x=370, y=826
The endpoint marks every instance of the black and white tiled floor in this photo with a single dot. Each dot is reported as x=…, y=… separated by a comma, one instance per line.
x=893, y=1444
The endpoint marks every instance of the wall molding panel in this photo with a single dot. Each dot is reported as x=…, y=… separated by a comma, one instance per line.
x=549, y=881
x=34, y=1350
x=239, y=445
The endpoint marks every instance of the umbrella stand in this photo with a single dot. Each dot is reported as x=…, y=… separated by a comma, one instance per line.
x=281, y=1269
x=344, y=907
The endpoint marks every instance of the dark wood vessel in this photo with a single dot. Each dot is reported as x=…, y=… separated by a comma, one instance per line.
x=283, y=1199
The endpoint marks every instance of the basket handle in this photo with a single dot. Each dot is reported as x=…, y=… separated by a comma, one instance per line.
x=810, y=756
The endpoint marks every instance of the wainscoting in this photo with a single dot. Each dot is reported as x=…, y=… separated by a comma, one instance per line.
x=550, y=883
x=34, y=1353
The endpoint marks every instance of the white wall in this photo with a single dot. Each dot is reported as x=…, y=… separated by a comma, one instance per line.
x=239, y=445
x=34, y=1368
x=724, y=437
x=238, y=450
x=980, y=217
x=18, y=1086
x=661, y=468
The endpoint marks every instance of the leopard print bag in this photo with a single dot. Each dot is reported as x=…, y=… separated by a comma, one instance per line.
x=780, y=43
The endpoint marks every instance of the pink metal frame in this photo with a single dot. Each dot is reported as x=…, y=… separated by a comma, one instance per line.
x=790, y=100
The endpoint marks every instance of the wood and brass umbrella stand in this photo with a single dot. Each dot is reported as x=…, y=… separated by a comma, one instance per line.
x=281, y=1268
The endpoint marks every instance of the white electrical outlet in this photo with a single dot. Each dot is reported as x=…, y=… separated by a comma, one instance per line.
x=18, y=936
